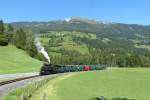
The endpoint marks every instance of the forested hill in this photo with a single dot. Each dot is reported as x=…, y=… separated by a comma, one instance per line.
x=84, y=41
x=117, y=34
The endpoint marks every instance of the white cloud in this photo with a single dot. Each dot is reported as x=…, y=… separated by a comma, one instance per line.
x=67, y=19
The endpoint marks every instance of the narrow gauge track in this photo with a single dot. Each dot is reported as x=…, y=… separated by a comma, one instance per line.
x=16, y=80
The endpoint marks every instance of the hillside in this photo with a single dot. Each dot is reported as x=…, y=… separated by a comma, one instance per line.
x=119, y=34
x=85, y=41
x=13, y=60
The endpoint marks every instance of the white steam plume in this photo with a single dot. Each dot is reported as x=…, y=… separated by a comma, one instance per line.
x=41, y=49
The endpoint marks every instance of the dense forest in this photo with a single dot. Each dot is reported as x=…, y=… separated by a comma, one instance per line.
x=82, y=41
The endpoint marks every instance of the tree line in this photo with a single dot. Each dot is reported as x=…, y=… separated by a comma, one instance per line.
x=20, y=38
x=102, y=56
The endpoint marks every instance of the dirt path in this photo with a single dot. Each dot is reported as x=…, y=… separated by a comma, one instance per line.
x=4, y=77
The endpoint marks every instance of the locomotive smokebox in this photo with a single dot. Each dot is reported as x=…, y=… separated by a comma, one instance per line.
x=46, y=69
x=47, y=64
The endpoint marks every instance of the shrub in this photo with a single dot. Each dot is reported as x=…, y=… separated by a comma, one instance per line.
x=3, y=40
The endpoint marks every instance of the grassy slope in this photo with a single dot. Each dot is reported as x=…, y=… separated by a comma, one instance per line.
x=113, y=83
x=13, y=60
x=68, y=42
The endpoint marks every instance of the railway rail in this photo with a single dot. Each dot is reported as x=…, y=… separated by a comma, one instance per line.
x=16, y=80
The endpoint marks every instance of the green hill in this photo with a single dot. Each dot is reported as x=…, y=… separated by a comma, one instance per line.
x=13, y=60
x=85, y=41
x=120, y=35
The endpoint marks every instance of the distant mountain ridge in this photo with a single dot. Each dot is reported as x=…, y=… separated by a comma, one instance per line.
x=121, y=35
x=85, y=25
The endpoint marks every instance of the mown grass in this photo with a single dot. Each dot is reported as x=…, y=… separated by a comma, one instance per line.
x=49, y=89
x=13, y=60
x=113, y=84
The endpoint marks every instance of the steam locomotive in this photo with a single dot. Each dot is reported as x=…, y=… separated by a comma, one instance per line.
x=48, y=69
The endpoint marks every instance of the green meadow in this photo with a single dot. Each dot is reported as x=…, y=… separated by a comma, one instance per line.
x=13, y=60
x=113, y=84
x=131, y=83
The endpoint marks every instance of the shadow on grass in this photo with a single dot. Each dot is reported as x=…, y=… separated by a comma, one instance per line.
x=118, y=98
x=103, y=98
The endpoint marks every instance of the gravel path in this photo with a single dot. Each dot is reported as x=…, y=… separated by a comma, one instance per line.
x=18, y=75
x=12, y=86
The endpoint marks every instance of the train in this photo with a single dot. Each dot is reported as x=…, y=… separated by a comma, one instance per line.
x=48, y=69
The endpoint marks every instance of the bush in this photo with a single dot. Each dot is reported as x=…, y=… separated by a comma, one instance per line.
x=3, y=40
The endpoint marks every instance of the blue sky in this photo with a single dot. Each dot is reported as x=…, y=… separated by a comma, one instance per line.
x=123, y=11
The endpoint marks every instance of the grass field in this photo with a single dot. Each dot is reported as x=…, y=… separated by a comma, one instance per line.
x=13, y=60
x=112, y=83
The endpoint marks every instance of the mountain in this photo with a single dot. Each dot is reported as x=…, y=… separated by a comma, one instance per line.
x=85, y=25
x=131, y=35
x=76, y=40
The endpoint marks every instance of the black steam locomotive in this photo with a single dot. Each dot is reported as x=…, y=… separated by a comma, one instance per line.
x=48, y=69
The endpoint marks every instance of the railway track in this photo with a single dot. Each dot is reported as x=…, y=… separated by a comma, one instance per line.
x=16, y=80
